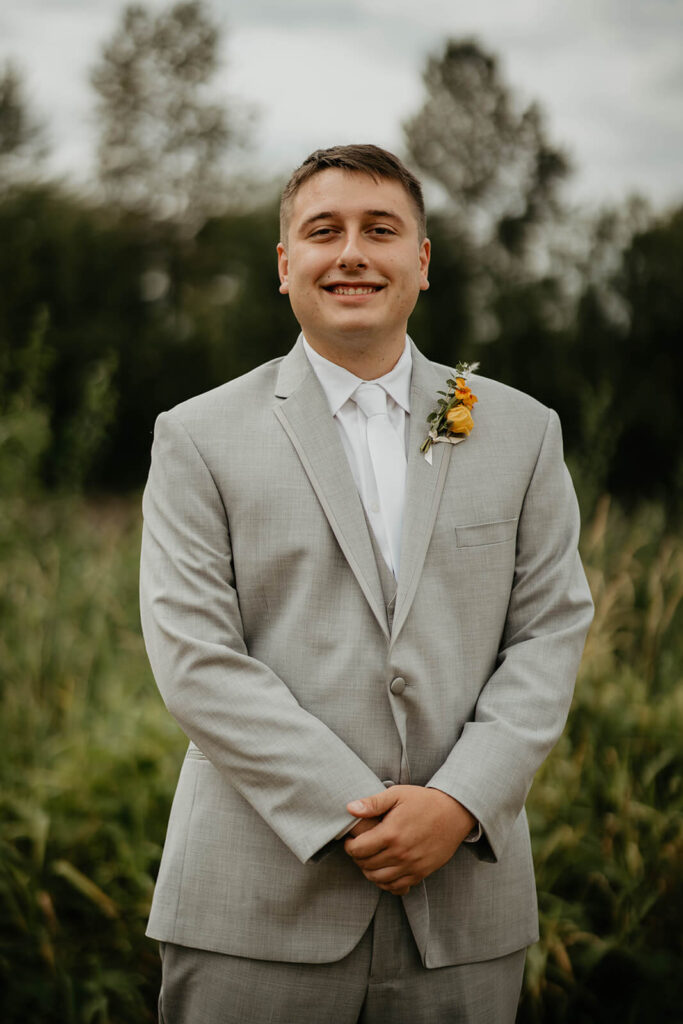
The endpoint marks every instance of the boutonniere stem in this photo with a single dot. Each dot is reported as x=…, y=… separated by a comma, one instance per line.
x=451, y=421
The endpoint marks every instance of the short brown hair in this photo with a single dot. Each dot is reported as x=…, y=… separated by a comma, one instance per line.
x=363, y=158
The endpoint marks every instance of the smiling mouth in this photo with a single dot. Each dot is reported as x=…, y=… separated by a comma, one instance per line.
x=353, y=289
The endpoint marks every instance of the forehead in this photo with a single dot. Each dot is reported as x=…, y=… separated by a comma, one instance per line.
x=350, y=193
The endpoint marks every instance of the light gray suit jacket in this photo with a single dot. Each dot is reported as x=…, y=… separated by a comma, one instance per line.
x=269, y=638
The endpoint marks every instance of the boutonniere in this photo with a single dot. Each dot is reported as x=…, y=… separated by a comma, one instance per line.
x=451, y=421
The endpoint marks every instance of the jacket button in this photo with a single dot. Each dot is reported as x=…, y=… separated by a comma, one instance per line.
x=397, y=686
x=388, y=783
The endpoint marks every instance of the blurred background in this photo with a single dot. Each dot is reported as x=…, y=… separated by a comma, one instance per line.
x=142, y=150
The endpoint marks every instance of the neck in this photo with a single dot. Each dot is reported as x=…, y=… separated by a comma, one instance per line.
x=366, y=359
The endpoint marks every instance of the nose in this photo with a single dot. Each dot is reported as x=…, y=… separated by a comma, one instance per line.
x=351, y=256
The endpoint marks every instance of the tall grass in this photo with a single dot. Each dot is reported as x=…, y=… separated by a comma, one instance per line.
x=90, y=759
x=89, y=762
x=606, y=810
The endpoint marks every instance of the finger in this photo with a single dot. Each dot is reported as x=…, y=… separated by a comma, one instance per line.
x=372, y=806
x=361, y=856
x=363, y=825
x=383, y=859
x=369, y=844
x=395, y=890
x=391, y=876
x=398, y=886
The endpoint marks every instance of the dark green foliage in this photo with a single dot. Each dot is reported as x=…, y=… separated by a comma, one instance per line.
x=72, y=271
x=134, y=322
x=649, y=373
x=442, y=321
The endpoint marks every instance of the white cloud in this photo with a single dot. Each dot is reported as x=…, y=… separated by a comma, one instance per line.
x=608, y=74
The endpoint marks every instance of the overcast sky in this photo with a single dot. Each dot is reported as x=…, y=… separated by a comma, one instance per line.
x=608, y=74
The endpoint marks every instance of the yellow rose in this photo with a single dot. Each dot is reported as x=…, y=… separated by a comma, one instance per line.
x=459, y=420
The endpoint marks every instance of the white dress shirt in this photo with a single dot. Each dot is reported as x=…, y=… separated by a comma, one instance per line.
x=339, y=385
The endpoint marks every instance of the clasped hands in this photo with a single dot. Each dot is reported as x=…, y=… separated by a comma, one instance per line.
x=404, y=834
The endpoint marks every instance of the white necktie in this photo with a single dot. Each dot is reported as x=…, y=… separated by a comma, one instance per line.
x=388, y=458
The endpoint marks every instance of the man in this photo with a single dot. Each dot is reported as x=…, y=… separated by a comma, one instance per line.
x=371, y=648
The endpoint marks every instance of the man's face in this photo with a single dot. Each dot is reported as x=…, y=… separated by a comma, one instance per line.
x=353, y=265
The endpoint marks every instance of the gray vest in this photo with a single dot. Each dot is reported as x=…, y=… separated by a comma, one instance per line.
x=386, y=577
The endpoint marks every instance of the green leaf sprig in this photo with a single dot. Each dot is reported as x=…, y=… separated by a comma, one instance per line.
x=449, y=400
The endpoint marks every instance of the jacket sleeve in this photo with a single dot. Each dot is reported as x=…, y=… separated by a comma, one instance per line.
x=523, y=706
x=295, y=772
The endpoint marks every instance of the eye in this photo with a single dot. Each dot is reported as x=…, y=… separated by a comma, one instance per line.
x=321, y=233
x=381, y=229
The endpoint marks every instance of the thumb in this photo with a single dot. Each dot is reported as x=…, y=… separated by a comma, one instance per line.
x=372, y=806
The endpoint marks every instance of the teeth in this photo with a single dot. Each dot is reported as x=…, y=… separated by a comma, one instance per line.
x=344, y=290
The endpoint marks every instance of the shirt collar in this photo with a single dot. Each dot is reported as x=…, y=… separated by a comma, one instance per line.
x=339, y=383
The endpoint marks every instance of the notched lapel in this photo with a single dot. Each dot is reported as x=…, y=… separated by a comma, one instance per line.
x=424, y=485
x=302, y=409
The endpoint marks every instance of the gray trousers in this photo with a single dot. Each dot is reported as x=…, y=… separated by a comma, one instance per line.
x=381, y=981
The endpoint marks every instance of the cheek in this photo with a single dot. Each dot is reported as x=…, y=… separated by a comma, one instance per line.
x=299, y=281
x=306, y=273
x=409, y=282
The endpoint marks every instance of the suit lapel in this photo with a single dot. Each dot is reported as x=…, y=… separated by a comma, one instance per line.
x=424, y=485
x=302, y=409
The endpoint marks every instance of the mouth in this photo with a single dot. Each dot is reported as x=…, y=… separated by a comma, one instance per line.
x=353, y=289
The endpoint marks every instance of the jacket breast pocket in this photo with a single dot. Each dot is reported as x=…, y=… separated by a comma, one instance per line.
x=475, y=535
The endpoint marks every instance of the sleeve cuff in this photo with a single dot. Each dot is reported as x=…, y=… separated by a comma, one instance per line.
x=475, y=835
x=345, y=831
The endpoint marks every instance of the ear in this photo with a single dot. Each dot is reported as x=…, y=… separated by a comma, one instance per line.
x=283, y=268
x=425, y=254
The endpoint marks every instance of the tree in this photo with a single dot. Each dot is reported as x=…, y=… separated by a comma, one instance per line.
x=647, y=369
x=162, y=135
x=22, y=141
x=490, y=155
x=500, y=178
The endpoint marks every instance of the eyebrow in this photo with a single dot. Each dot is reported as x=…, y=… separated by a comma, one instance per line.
x=332, y=214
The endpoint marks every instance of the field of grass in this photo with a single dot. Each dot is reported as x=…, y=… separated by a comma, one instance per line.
x=606, y=810
x=90, y=759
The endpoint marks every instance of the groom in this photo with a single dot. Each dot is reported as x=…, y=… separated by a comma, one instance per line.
x=371, y=648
